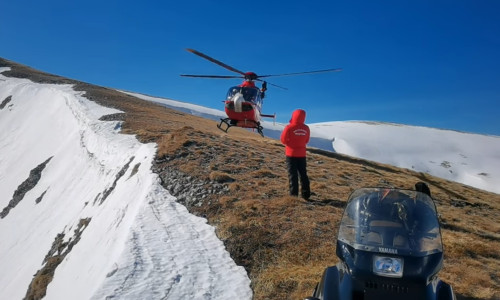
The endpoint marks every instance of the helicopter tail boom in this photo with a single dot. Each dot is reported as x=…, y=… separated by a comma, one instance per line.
x=269, y=116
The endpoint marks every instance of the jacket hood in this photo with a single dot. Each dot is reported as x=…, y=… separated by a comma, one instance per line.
x=298, y=117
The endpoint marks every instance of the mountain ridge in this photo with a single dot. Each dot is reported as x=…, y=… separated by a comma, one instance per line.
x=285, y=242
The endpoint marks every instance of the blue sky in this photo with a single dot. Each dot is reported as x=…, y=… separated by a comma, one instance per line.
x=427, y=63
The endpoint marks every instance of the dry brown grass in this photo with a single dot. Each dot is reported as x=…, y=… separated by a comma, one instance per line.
x=285, y=242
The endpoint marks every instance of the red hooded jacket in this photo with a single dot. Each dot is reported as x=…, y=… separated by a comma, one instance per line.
x=247, y=83
x=295, y=136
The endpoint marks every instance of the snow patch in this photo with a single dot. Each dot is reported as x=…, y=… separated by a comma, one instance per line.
x=140, y=243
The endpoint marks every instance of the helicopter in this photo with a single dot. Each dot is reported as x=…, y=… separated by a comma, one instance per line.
x=243, y=103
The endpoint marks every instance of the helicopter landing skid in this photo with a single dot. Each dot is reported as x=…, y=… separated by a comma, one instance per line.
x=231, y=123
x=225, y=121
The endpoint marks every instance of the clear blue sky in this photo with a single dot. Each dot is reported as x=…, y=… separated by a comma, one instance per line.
x=427, y=62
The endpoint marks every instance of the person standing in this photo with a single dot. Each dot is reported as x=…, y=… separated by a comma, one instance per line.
x=423, y=187
x=295, y=137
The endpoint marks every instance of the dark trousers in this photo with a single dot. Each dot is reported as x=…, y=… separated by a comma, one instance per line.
x=297, y=167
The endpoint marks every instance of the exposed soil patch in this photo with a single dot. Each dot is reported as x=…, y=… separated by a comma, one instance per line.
x=32, y=180
x=110, y=189
x=5, y=102
x=59, y=250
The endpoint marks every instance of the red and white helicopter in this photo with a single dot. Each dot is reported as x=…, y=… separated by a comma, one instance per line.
x=243, y=103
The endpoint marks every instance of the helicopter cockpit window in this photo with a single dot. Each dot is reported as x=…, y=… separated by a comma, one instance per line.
x=232, y=91
x=249, y=93
x=399, y=220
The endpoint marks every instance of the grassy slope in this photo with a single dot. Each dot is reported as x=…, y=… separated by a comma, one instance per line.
x=285, y=242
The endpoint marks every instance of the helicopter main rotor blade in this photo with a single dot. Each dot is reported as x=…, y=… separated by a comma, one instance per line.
x=275, y=85
x=215, y=61
x=301, y=73
x=212, y=76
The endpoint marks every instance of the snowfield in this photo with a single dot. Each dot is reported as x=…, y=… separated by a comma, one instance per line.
x=139, y=243
x=471, y=159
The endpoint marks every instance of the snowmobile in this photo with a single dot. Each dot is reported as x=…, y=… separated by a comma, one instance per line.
x=389, y=245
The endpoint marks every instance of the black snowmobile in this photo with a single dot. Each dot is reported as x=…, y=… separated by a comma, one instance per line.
x=389, y=246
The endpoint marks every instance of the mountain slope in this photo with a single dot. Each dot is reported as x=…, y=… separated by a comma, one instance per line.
x=471, y=159
x=84, y=217
x=237, y=181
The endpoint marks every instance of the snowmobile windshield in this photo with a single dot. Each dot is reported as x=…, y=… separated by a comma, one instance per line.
x=391, y=221
x=249, y=93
